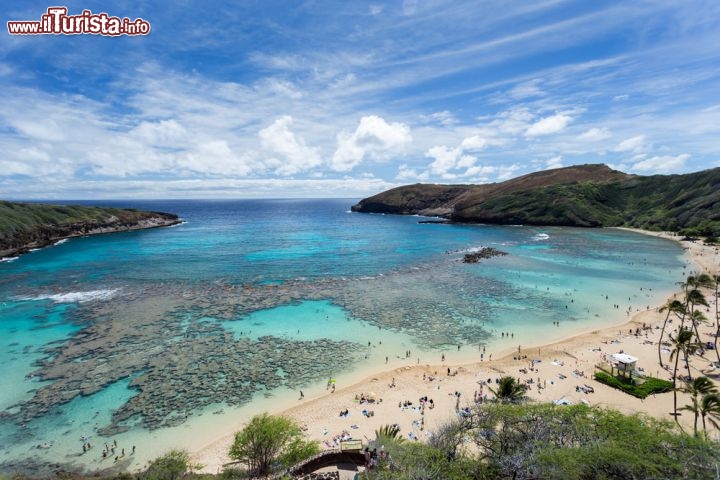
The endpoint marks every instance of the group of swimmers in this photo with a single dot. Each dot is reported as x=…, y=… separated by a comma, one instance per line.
x=109, y=451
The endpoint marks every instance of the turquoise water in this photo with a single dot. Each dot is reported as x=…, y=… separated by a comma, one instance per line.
x=133, y=336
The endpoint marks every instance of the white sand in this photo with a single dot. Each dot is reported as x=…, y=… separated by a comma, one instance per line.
x=579, y=353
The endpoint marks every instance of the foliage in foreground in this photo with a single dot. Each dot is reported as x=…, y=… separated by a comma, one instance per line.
x=270, y=441
x=650, y=386
x=506, y=441
x=170, y=466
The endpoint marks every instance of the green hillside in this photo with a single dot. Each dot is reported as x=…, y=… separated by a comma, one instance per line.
x=585, y=196
x=32, y=225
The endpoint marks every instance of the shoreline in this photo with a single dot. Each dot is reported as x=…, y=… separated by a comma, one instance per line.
x=10, y=254
x=580, y=350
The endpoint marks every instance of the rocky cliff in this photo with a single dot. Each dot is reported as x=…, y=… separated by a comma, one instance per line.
x=584, y=195
x=24, y=226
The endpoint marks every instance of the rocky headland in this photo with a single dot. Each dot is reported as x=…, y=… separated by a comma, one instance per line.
x=577, y=196
x=27, y=226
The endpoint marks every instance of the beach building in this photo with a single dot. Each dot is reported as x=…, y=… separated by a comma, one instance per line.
x=624, y=364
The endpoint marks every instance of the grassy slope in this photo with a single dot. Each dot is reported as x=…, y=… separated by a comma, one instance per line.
x=661, y=202
x=22, y=224
x=587, y=195
x=410, y=199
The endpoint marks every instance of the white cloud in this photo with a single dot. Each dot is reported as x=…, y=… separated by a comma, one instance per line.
x=633, y=144
x=554, y=162
x=548, y=125
x=281, y=88
x=374, y=138
x=506, y=172
x=9, y=167
x=215, y=157
x=512, y=122
x=526, y=90
x=466, y=161
x=661, y=164
x=376, y=9
x=408, y=174
x=162, y=133
x=445, y=159
x=480, y=170
x=474, y=142
x=196, y=188
x=43, y=129
x=595, y=135
x=444, y=118
x=296, y=156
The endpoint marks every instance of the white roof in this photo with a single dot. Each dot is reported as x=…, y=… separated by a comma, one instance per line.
x=623, y=358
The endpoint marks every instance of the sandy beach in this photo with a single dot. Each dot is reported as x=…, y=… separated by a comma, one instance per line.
x=563, y=368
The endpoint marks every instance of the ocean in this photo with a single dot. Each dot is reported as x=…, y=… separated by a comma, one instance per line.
x=169, y=337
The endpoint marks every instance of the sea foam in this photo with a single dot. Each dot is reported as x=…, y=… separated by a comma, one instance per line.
x=76, y=297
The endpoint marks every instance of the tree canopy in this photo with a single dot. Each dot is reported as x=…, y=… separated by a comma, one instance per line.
x=269, y=439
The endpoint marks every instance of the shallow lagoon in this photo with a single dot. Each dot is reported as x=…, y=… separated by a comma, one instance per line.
x=164, y=338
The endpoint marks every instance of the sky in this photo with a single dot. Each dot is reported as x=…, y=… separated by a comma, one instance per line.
x=243, y=99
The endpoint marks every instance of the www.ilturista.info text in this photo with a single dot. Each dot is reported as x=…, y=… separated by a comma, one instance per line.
x=57, y=22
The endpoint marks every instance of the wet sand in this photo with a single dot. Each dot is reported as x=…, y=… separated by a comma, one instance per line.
x=564, y=366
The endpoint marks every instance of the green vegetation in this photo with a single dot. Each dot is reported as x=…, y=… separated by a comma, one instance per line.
x=270, y=443
x=649, y=386
x=389, y=433
x=509, y=390
x=686, y=203
x=171, y=466
x=31, y=224
x=507, y=441
x=584, y=196
x=495, y=440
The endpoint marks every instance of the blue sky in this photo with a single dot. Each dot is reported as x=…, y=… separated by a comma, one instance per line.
x=345, y=99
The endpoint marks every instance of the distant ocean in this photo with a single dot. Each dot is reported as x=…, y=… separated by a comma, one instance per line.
x=161, y=338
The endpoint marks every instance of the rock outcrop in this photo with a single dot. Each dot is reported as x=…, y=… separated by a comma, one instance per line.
x=27, y=226
x=579, y=196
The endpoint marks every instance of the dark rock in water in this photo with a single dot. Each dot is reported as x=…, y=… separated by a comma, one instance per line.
x=485, y=252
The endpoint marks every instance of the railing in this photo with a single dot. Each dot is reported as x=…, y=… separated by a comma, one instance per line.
x=316, y=462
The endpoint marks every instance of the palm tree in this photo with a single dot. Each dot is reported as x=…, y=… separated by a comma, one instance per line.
x=389, y=432
x=508, y=390
x=701, y=386
x=672, y=306
x=695, y=297
x=698, y=318
x=710, y=408
x=681, y=344
x=716, y=280
x=702, y=280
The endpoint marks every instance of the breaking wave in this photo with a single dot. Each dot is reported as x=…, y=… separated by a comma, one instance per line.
x=76, y=297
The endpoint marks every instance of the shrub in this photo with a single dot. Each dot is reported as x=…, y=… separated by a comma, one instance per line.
x=269, y=440
x=649, y=386
x=168, y=467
